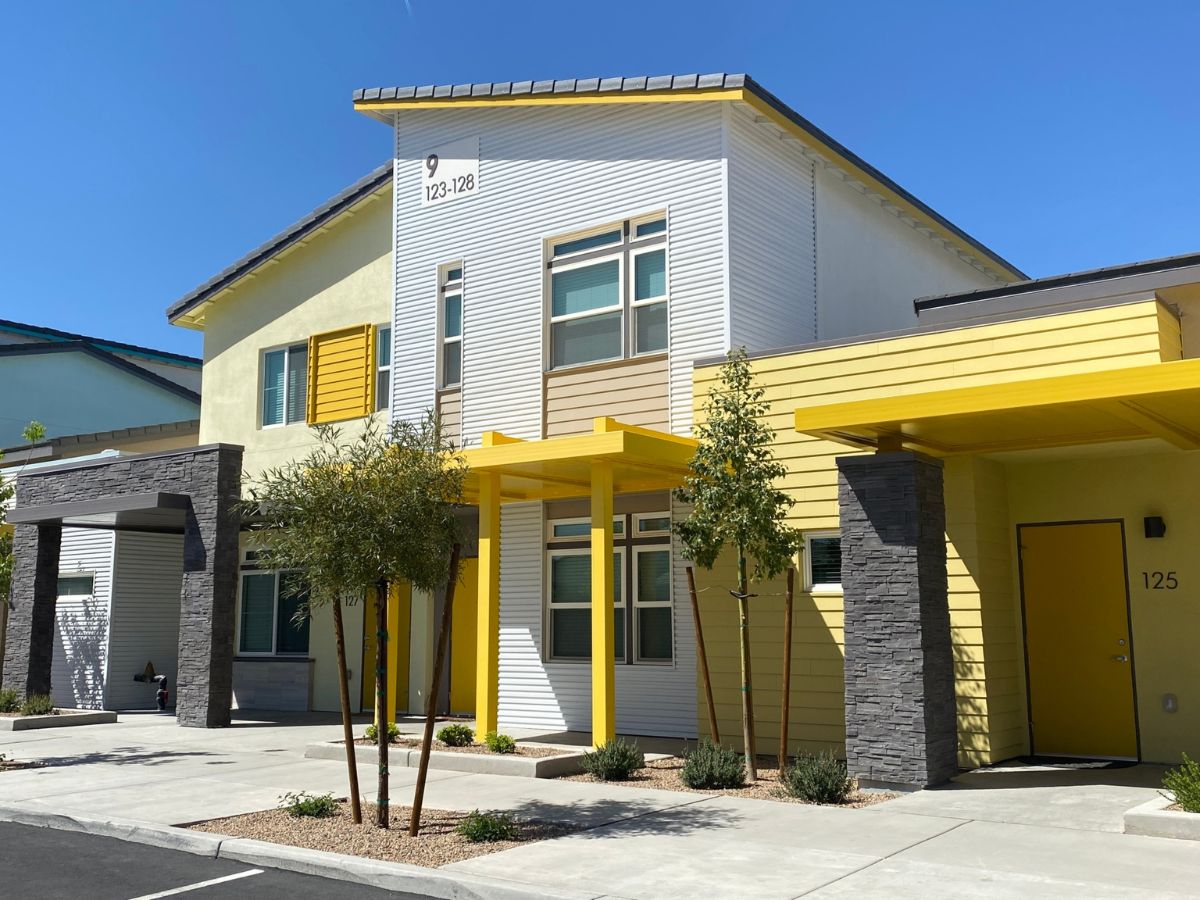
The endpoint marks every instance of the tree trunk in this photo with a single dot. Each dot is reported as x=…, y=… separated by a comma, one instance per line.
x=747, y=680
x=702, y=659
x=439, y=660
x=344, y=693
x=785, y=706
x=381, y=639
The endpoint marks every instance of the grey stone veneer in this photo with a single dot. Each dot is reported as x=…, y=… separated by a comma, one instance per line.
x=900, y=710
x=211, y=477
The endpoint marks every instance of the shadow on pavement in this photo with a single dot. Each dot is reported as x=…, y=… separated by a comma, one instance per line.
x=628, y=817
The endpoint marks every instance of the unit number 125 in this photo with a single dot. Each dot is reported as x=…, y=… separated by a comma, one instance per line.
x=1160, y=581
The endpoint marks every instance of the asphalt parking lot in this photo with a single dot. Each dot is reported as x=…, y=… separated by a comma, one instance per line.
x=46, y=864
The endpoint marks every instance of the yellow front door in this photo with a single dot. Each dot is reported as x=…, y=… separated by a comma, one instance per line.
x=1077, y=642
x=463, y=627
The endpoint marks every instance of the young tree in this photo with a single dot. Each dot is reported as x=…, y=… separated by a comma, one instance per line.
x=358, y=515
x=731, y=488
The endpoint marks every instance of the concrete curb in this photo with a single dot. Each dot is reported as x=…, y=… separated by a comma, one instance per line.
x=1154, y=820
x=566, y=763
x=197, y=842
x=386, y=875
x=65, y=719
x=339, y=867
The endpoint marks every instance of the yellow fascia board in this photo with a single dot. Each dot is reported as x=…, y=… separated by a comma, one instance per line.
x=1114, y=384
x=520, y=453
x=607, y=97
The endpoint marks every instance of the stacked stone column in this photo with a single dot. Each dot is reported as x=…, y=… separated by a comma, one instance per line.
x=899, y=675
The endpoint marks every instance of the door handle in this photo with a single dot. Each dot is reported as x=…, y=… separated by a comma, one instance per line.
x=1121, y=658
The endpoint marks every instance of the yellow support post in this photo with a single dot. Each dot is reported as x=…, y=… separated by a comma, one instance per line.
x=604, y=705
x=487, y=635
x=393, y=649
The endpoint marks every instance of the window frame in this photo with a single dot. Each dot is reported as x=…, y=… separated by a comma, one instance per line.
x=85, y=573
x=809, y=586
x=383, y=399
x=625, y=250
x=277, y=574
x=639, y=603
x=447, y=287
x=262, y=384
x=629, y=545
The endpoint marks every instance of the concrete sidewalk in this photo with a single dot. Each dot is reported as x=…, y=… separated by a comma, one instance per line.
x=1020, y=833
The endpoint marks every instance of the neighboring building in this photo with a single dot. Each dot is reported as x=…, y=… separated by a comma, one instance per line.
x=100, y=399
x=565, y=252
x=296, y=333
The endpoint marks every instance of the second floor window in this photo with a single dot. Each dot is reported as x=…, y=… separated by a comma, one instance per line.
x=450, y=319
x=608, y=293
x=285, y=385
x=383, y=367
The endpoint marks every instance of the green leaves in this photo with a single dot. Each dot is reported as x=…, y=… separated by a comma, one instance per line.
x=352, y=513
x=732, y=482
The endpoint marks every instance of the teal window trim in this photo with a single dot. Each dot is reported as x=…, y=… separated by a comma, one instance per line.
x=272, y=630
x=450, y=317
x=283, y=396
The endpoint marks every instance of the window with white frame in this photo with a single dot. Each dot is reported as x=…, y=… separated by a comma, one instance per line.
x=285, y=385
x=383, y=366
x=450, y=325
x=823, y=561
x=643, y=629
x=608, y=293
x=76, y=584
x=273, y=615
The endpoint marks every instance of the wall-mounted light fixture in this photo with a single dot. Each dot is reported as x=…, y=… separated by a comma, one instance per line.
x=1155, y=526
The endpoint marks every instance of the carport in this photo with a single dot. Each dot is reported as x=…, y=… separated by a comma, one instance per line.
x=191, y=492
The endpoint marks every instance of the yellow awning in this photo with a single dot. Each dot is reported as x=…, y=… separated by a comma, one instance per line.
x=642, y=460
x=1157, y=401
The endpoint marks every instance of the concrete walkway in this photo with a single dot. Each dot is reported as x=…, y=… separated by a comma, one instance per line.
x=1020, y=832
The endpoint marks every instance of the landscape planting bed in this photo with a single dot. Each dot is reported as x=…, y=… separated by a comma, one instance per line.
x=551, y=764
x=437, y=844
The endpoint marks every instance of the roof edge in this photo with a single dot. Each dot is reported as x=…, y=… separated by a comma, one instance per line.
x=104, y=344
x=294, y=233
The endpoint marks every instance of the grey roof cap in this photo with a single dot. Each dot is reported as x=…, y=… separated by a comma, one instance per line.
x=1087, y=276
x=294, y=233
x=712, y=81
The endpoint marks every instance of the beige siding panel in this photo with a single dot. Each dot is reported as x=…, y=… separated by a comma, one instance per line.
x=450, y=410
x=634, y=392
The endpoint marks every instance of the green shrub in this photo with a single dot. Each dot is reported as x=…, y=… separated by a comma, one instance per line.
x=500, y=743
x=1184, y=784
x=372, y=733
x=713, y=767
x=37, y=705
x=9, y=701
x=818, y=778
x=613, y=760
x=479, y=827
x=456, y=735
x=316, y=806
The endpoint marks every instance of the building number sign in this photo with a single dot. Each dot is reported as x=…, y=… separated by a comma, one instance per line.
x=450, y=172
x=1160, y=581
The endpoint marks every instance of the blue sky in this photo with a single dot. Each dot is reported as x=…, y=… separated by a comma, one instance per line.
x=147, y=145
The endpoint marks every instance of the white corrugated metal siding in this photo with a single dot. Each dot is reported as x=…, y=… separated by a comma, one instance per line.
x=546, y=172
x=81, y=623
x=772, y=253
x=148, y=575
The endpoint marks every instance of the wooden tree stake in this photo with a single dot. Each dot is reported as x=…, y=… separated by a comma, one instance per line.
x=702, y=658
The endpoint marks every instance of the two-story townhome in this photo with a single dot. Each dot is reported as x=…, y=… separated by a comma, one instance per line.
x=564, y=253
x=99, y=399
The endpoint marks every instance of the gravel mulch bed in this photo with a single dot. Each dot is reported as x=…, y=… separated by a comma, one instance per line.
x=663, y=775
x=437, y=845
x=522, y=750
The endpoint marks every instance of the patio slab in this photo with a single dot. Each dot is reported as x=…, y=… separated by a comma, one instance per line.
x=62, y=718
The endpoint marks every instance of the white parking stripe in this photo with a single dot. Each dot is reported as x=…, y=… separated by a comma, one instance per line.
x=199, y=884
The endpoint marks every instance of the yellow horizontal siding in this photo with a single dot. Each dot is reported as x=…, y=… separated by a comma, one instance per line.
x=984, y=605
x=341, y=374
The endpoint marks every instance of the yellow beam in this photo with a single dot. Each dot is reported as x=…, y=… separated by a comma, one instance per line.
x=1154, y=425
x=487, y=633
x=1089, y=387
x=604, y=705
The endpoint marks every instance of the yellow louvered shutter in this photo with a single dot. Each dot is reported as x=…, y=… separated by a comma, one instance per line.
x=341, y=374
